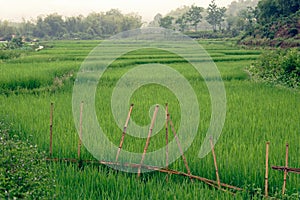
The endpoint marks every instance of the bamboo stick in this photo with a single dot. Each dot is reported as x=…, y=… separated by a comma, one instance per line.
x=80, y=131
x=167, y=141
x=124, y=132
x=286, y=166
x=267, y=170
x=288, y=169
x=179, y=146
x=155, y=168
x=215, y=161
x=148, y=138
x=51, y=128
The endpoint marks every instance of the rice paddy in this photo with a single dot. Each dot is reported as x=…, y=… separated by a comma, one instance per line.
x=256, y=113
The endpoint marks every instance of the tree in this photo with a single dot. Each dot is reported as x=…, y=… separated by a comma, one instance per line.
x=267, y=11
x=220, y=16
x=236, y=6
x=182, y=22
x=41, y=29
x=6, y=30
x=26, y=28
x=131, y=21
x=74, y=24
x=247, y=19
x=270, y=10
x=215, y=15
x=212, y=15
x=193, y=16
x=166, y=22
x=156, y=19
x=56, y=25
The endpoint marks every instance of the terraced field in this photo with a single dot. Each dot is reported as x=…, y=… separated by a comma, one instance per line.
x=256, y=113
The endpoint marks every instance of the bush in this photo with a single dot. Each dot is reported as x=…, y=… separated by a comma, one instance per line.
x=280, y=67
x=23, y=171
x=9, y=54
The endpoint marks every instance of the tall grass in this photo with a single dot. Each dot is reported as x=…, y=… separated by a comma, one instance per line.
x=256, y=113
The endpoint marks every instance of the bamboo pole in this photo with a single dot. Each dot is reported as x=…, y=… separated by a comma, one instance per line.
x=167, y=141
x=155, y=168
x=51, y=128
x=215, y=161
x=124, y=132
x=288, y=169
x=80, y=131
x=286, y=166
x=148, y=138
x=179, y=146
x=267, y=170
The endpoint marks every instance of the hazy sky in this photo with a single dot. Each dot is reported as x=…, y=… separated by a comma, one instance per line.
x=15, y=10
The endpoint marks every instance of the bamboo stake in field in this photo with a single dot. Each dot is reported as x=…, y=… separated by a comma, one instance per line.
x=148, y=138
x=51, y=128
x=286, y=166
x=267, y=170
x=167, y=141
x=124, y=132
x=133, y=165
x=179, y=146
x=288, y=169
x=80, y=131
x=215, y=161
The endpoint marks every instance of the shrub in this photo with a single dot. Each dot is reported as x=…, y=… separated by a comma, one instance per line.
x=23, y=171
x=9, y=54
x=280, y=67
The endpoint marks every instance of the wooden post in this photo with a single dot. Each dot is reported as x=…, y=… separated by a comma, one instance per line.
x=267, y=170
x=51, y=129
x=124, y=132
x=167, y=141
x=215, y=162
x=148, y=139
x=286, y=166
x=80, y=131
x=178, y=144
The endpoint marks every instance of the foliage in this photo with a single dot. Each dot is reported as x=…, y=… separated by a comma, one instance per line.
x=235, y=7
x=193, y=16
x=23, y=172
x=6, y=30
x=55, y=26
x=9, y=54
x=280, y=67
x=274, y=20
x=215, y=15
x=182, y=22
x=269, y=11
x=166, y=22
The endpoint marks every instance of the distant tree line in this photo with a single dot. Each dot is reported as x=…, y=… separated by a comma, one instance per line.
x=255, y=18
x=233, y=19
x=262, y=18
x=273, y=23
x=55, y=26
x=190, y=18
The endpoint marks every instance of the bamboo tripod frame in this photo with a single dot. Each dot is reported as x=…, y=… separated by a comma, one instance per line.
x=286, y=169
x=168, y=122
x=217, y=184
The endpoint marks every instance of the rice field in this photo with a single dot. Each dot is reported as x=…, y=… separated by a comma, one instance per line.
x=256, y=113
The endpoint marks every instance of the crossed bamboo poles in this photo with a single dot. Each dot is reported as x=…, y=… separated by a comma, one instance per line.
x=217, y=184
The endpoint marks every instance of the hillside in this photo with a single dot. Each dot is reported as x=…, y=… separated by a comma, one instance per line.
x=275, y=27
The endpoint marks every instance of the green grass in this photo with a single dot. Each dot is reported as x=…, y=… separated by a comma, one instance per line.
x=256, y=113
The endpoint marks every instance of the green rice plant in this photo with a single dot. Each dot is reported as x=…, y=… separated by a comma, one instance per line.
x=256, y=113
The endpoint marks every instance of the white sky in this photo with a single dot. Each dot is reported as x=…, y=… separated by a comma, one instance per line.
x=15, y=10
